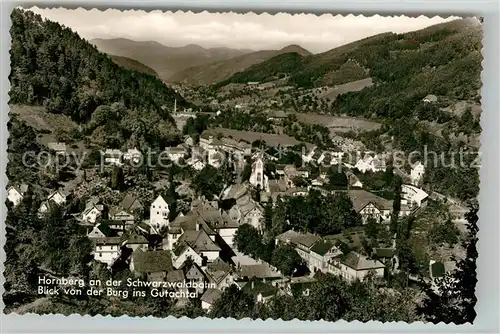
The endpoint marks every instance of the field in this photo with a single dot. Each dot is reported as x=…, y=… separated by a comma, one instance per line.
x=331, y=93
x=273, y=140
x=46, y=124
x=339, y=124
x=41, y=120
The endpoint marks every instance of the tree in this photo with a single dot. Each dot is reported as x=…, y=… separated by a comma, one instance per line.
x=444, y=232
x=456, y=296
x=248, y=240
x=247, y=171
x=337, y=178
x=209, y=182
x=268, y=214
x=286, y=259
x=327, y=300
x=233, y=303
x=372, y=228
x=117, y=179
x=396, y=204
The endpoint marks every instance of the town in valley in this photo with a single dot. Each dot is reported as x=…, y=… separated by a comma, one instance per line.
x=244, y=183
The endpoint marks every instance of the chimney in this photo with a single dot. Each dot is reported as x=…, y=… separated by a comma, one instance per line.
x=253, y=285
x=198, y=226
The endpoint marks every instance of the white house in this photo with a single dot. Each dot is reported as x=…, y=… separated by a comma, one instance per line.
x=208, y=298
x=201, y=242
x=413, y=196
x=196, y=161
x=353, y=180
x=321, y=253
x=227, y=229
x=252, y=213
x=417, y=173
x=369, y=205
x=182, y=252
x=91, y=213
x=15, y=194
x=257, y=178
x=158, y=213
x=99, y=231
x=107, y=250
x=57, y=197
x=355, y=266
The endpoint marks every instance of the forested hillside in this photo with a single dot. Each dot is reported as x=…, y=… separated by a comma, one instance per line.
x=389, y=58
x=220, y=71
x=132, y=64
x=53, y=67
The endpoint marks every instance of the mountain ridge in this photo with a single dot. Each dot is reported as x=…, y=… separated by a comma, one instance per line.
x=133, y=64
x=165, y=60
x=367, y=57
x=221, y=70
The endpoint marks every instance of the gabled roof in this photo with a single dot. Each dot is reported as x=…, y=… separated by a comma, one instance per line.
x=21, y=189
x=106, y=230
x=108, y=241
x=55, y=193
x=235, y=191
x=90, y=207
x=218, y=270
x=152, y=261
x=358, y=261
x=129, y=202
x=180, y=247
x=211, y=295
x=295, y=190
x=189, y=221
x=174, y=276
x=256, y=287
x=322, y=247
x=49, y=204
x=259, y=271
x=297, y=238
x=199, y=241
x=361, y=198
x=384, y=252
x=118, y=210
x=134, y=239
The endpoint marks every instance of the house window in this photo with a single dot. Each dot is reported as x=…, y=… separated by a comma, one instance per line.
x=153, y=206
x=100, y=254
x=100, y=247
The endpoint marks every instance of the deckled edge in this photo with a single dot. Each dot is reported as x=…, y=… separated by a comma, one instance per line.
x=174, y=10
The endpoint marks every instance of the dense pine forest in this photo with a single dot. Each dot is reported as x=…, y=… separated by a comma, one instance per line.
x=55, y=68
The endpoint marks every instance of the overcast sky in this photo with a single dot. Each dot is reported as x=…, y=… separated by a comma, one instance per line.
x=246, y=31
